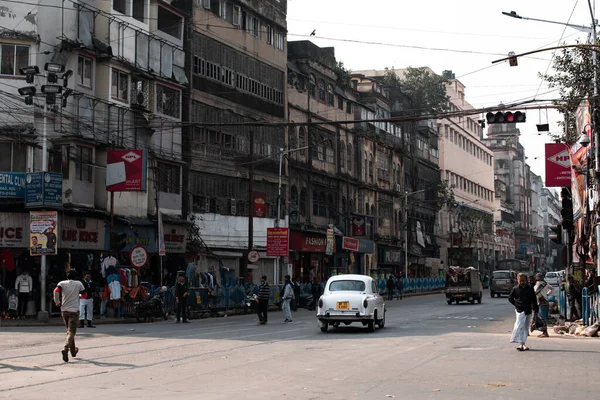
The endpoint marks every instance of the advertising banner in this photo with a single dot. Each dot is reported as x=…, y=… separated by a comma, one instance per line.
x=277, y=242
x=126, y=170
x=558, y=165
x=42, y=232
x=12, y=185
x=350, y=243
x=358, y=226
x=260, y=205
x=330, y=242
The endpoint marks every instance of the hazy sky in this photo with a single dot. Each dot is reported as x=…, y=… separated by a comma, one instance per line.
x=476, y=28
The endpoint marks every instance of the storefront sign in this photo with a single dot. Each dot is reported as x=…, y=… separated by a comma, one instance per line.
x=391, y=256
x=358, y=226
x=366, y=246
x=144, y=236
x=12, y=185
x=308, y=243
x=350, y=243
x=43, y=189
x=558, y=165
x=277, y=242
x=253, y=256
x=14, y=230
x=330, y=242
x=126, y=170
x=42, y=233
x=82, y=233
x=260, y=205
x=175, y=238
x=138, y=256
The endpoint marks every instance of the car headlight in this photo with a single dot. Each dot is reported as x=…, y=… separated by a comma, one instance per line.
x=320, y=303
x=365, y=303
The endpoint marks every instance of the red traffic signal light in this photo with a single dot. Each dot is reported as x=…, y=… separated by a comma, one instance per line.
x=507, y=117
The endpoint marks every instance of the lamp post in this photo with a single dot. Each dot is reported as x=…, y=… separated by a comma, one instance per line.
x=591, y=30
x=51, y=90
x=406, y=194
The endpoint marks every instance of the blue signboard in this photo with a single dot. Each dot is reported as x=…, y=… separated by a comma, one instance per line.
x=43, y=189
x=12, y=185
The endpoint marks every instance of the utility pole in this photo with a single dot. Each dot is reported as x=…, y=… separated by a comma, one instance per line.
x=159, y=227
x=244, y=269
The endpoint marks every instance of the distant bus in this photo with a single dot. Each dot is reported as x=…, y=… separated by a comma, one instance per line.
x=513, y=264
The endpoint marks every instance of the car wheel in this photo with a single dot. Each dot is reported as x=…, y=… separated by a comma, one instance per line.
x=457, y=301
x=492, y=294
x=371, y=324
x=381, y=322
x=472, y=301
x=324, y=328
x=479, y=300
x=449, y=301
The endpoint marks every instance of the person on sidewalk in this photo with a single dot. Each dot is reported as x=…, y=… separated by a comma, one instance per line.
x=391, y=285
x=181, y=295
x=295, y=302
x=524, y=299
x=573, y=290
x=399, y=287
x=24, y=287
x=542, y=291
x=287, y=295
x=264, y=293
x=86, y=303
x=66, y=296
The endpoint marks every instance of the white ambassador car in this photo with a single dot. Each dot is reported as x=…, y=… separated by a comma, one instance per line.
x=351, y=298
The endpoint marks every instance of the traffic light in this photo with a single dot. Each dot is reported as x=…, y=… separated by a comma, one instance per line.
x=118, y=241
x=556, y=237
x=567, y=209
x=507, y=117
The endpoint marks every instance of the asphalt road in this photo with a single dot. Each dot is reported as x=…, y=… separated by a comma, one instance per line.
x=428, y=350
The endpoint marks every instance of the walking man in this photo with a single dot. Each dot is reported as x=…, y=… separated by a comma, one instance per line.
x=390, y=287
x=24, y=287
x=399, y=287
x=542, y=291
x=573, y=295
x=264, y=293
x=86, y=303
x=287, y=295
x=181, y=294
x=66, y=295
x=523, y=298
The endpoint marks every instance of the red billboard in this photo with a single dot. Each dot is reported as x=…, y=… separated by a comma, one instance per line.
x=277, y=242
x=350, y=243
x=558, y=165
x=126, y=170
x=260, y=205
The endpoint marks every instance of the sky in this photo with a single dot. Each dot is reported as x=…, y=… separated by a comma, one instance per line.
x=468, y=36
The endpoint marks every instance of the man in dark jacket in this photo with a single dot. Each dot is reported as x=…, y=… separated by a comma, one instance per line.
x=264, y=294
x=391, y=285
x=181, y=294
x=524, y=299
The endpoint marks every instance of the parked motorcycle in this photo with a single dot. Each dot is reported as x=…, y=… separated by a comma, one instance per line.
x=147, y=310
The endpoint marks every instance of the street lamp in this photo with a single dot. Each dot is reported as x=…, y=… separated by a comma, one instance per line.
x=406, y=194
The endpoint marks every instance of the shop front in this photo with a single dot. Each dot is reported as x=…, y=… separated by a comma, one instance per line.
x=175, y=237
x=308, y=256
x=390, y=260
x=142, y=238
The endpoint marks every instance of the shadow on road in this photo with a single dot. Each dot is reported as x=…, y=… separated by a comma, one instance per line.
x=20, y=368
x=106, y=364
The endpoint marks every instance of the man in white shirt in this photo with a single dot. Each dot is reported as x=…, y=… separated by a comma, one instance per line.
x=66, y=295
x=24, y=286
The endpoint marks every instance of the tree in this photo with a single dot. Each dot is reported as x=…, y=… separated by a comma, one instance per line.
x=445, y=195
x=425, y=90
x=574, y=78
x=344, y=75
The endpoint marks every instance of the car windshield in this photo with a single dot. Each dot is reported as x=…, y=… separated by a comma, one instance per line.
x=501, y=275
x=347, y=286
x=551, y=275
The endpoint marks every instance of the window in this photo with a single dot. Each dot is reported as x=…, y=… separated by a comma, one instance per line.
x=237, y=16
x=348, y=107
x=14, y=157
x=252, y=25
x=349, y=158
x=120, y=85
x=321, y=90
x=83, y=163
x=330, y=95
x=340, y=102
x=303, y=200
x=313, y=85
x=302, y=140
x=139, y=9
x=270, y=35
x=206, y=4
x=342, y=155
x=13, y=58
x=329, y=153
x=84, y=71
x=168, y=178
x=120, y=6
x=169, y=22
x=168, y=101
x=280, y=40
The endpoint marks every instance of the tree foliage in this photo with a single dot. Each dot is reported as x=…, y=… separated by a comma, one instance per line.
x=445, y=195
x=425, y=90
x=344, y=75
x=574, y=78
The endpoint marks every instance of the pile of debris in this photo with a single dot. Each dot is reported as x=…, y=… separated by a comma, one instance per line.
x=577, y=329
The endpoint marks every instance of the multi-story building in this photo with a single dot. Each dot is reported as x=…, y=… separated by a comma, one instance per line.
x=237, y=59
x=466, y=228
x=123, y=85
x=550, y=208
x=513, y=188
